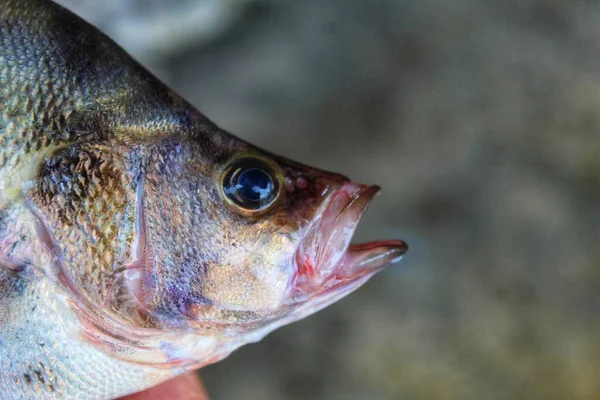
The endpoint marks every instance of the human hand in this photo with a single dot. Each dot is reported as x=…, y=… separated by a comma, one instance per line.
x=184, y=387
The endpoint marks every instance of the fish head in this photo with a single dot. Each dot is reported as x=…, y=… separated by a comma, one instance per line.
x=240, y=240
x=205, y=235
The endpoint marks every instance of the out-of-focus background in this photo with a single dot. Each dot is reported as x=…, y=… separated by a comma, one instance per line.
x=480, y=119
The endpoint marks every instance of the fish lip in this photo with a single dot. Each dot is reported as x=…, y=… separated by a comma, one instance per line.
x=325, y=260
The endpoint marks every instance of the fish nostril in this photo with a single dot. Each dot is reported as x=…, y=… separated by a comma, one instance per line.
x=296, y=183
x=301, y=183
x=289, y=185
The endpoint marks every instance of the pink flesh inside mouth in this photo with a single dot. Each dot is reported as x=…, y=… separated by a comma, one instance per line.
x=325, y=257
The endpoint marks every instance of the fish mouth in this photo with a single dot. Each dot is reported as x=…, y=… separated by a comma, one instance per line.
x=326, y=259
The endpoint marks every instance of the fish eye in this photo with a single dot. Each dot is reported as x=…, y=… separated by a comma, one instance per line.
x=251, y=184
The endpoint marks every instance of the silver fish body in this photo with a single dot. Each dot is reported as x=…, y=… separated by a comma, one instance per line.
x=137, y=239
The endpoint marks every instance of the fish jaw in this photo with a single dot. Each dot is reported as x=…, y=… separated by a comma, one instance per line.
x=326, y=260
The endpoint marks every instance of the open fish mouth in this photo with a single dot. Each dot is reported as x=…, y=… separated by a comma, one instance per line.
x=326, y=258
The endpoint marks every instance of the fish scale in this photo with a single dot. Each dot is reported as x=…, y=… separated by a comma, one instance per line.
x=47, y=336
x=32, y=94
x=40, y=99
x=79, y=192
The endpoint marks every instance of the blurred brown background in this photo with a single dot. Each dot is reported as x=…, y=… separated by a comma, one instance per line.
x=480, y=119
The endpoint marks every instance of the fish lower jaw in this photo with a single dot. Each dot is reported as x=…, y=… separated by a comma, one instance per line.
x=325, y=256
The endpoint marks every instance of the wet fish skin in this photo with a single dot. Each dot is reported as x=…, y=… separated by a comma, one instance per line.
x=63, y=83
x=122, y=262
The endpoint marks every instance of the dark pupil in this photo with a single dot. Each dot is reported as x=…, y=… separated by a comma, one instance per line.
x=254, y=185
x=251, y=184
